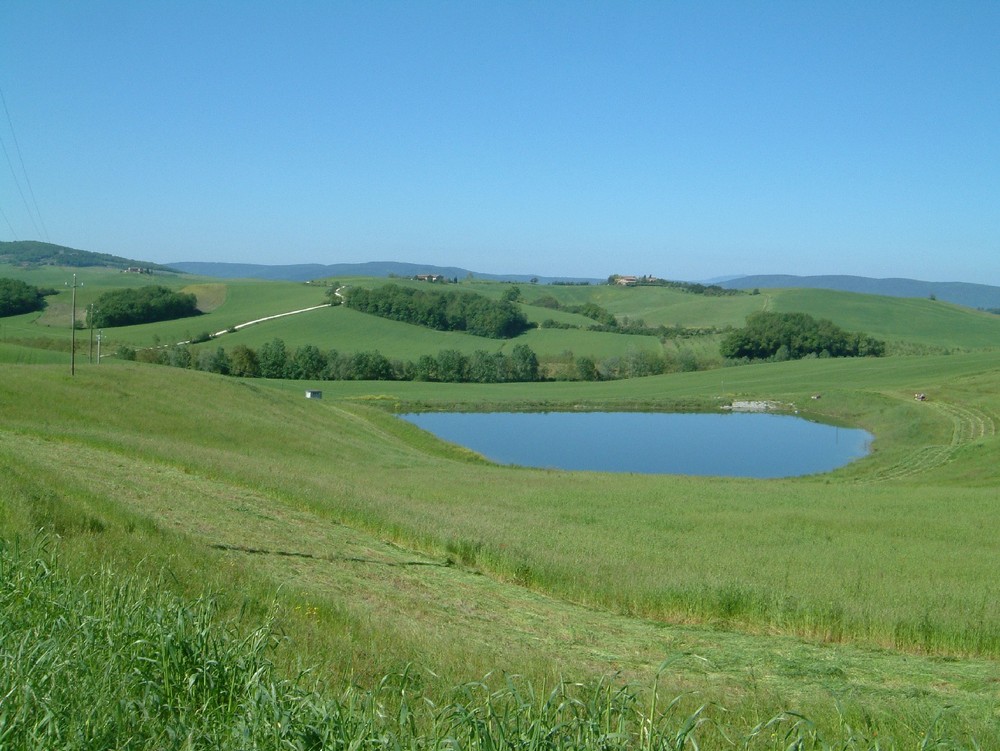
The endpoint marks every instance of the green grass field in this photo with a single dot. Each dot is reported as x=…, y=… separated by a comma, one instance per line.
x=866, y=601
x=913, y=326
x=886, y=566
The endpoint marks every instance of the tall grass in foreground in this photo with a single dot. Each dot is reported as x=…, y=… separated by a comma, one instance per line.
x=109, y=662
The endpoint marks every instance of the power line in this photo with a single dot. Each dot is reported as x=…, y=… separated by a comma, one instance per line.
x=17, y=182
x=31, y=215
x=7, y=222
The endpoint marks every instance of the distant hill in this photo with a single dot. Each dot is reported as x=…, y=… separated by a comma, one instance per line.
x=961, y=293
x=306, y=271
x=35, y=253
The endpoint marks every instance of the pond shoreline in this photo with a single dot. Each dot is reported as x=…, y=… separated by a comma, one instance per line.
x=756, y=442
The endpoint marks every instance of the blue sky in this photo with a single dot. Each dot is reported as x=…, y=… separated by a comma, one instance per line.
x=689, y=140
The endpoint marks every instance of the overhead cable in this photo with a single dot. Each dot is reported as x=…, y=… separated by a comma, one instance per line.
x=43, y=234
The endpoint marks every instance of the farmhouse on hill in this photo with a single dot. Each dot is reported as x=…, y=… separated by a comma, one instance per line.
x=632, y=281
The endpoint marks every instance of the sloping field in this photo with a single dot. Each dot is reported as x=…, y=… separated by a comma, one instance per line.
x=13, y=353
x=910, y=325
x=349, y=331
x=915, y=320
x=395, y=547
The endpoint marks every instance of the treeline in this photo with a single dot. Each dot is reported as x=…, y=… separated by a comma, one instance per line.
x=595, y=312
x=442, y=311
x=635, y=363
x=275, y=360
x=149, y=304
x=792, y=336
x=17, y=297
x=604, y=320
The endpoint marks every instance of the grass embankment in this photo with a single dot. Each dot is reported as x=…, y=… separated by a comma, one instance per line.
x=116, y=662
x=886, y=569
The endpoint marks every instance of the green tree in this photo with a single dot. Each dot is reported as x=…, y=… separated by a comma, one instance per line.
x=452, y=366
x=791, y=336
x=444, y=311
x=370, y=366
x=273, y=358
x=511, y=294
x=17, y=297
x=178, y=356
x=523, y=363
x=586, y=369
x=639, y=362
x=131, y=306
x=426, y=368
x=308, y=363
x=243, y=362
x=487, y=367
x=213, y=361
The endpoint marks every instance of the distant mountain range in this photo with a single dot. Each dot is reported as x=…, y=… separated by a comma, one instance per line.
x=306, y=271
x=961, y=293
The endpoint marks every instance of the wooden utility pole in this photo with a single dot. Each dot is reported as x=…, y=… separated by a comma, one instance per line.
x=72, y=351
x=90, y=318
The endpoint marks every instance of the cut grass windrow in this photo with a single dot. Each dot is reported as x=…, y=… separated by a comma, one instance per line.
x=968, y=424
x=114, y=662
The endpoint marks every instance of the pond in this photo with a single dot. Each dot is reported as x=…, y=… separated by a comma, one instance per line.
x=734, y=444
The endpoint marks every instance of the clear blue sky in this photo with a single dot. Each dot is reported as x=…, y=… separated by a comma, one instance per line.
x=688, y=140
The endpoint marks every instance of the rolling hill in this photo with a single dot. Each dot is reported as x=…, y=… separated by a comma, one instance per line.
x=375, y=547
x=34, y=253
x=961, y=293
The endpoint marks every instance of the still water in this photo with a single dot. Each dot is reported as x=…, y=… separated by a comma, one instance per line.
x=731, y=444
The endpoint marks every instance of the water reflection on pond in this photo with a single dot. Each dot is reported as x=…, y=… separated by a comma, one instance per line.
x=730, y=444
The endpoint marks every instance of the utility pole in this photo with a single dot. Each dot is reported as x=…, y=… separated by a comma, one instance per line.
x=90, y=318
x=72, y=351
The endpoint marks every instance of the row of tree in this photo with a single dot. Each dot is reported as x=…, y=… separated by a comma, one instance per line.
x=149, y=304
x=605, y=320
x=792, y=336
x=17, y=297
x=602, y=316
x=275, y=360
x=443, y=311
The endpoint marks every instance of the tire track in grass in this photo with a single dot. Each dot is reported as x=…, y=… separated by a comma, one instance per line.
x=968, y=424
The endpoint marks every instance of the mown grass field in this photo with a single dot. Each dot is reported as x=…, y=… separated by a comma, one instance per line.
x=864, y=600
x=383, y=547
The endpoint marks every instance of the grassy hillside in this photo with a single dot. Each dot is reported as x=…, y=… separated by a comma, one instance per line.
x=912, y=321
x=909, y=325
x=21, y=355
x=961, y=293
x=380, y=546
x=30, y=253
x=865, y=600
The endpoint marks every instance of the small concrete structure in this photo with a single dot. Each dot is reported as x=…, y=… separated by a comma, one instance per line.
x=311, y=394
